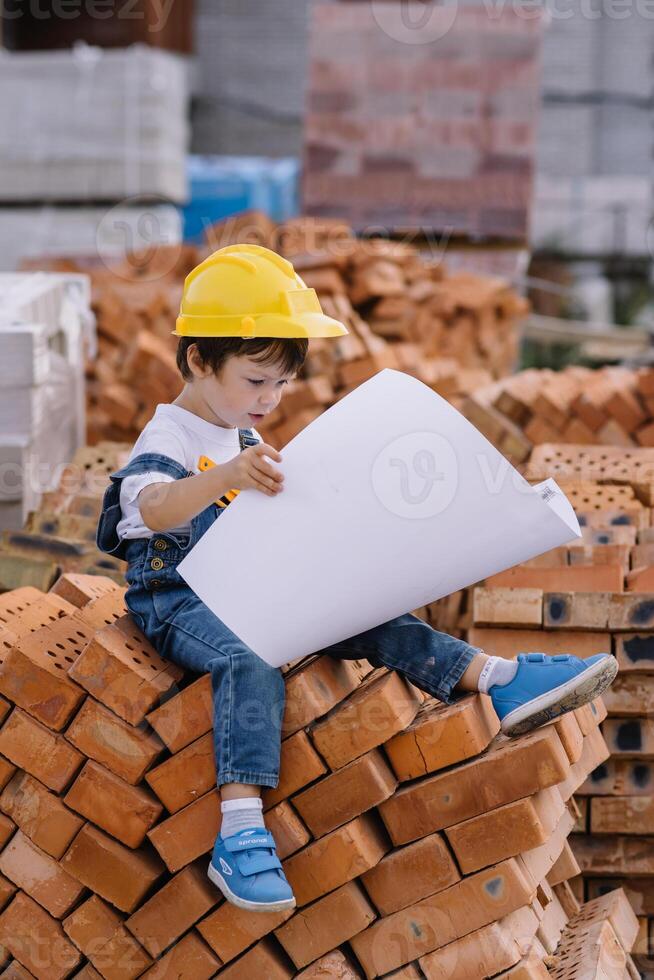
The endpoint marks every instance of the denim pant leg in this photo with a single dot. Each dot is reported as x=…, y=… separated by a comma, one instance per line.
x=248, y=694
x=431, y=660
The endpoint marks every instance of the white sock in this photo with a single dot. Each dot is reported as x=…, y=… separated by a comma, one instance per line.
x=496, y=670
x=246, y=811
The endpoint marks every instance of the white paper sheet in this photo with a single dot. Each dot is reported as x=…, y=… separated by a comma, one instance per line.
x=392, y=500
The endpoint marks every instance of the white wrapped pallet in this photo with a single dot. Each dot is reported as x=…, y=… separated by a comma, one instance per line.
x=110, y=233
x=46, y=331
x=89, y=124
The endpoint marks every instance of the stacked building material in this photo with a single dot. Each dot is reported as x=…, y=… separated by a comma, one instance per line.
x=613, y=406
x=46, y=331
x=416, y=839
x=454, y=332
x=59, y=536
x=596, y=596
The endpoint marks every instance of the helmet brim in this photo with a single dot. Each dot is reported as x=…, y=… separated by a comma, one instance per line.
x=306, y=325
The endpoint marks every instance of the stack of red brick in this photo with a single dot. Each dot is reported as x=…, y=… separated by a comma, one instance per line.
x=612, y=406
x=597, y=596
x=455, y=332
x=60, y=536
x=416, y=838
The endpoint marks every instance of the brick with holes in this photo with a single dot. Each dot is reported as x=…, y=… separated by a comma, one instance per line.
x=635, y=652
x=104, y=609
x=79, y=589
x=36, y=670
x=127, y=750
x=39, y=813
x=47, y=756
x=122, y=669
x=124, y=811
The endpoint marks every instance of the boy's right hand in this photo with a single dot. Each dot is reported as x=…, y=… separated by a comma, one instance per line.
x=250, y=469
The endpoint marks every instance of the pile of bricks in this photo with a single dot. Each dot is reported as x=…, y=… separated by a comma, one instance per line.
x=418, y=841
x=456, y=332
x=580, y=406
x=60, y=536
x=597, y=595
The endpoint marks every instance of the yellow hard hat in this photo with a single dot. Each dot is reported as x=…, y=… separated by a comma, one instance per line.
x=250, y=291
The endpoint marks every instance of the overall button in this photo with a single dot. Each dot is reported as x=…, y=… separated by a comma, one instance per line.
x=155, y=583
x=156, y=563
x=160, y=544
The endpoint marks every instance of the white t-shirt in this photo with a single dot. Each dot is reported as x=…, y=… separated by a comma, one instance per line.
x=186, y=438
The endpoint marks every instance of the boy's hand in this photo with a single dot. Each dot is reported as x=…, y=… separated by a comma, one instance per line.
x=250, y=469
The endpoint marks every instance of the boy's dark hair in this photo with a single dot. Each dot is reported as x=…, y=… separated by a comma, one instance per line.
x=288, y=353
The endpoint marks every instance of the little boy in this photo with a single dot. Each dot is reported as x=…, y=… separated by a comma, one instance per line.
x=244, y=326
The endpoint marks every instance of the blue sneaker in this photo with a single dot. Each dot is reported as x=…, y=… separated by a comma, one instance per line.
x=246, y=869
x=545, y=687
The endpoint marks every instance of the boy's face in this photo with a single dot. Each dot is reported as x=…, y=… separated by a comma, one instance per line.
x=244, y=390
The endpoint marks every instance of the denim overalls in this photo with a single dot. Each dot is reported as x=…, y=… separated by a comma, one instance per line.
x=248, y=694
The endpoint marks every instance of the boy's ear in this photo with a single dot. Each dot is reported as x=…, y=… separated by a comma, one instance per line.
x=197, y=369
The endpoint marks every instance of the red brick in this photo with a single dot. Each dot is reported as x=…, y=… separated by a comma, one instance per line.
x=384, y=705
x=345, y=794
x=616, y=908
x=33, y=747
x=35, y=671
x=124, y=811
x=189, y=959
x=39, y=875
x=336, y=858
x=631, y=612
x=100, y=934
x=37, y=940
x=507, y=607
x=230, y=930
x=316, y=930
x=186, y=716
x=486, y=951
x=174, y=908
x=619, y=777
x=630, y=695
x=78, y=589
x=505, y=831
x=265, y=959
x=594, y=578
x=441, y=735
x=410, y=873
x=316, y=687
x=635, y=652
x=105, y=610
x=332, y=966
x=531, y=967
x=126, y=750
x=189, y=832
x=576, y=610
x=619, y=815
x=119, y=875
x=564, y=867
x=627, y=737
x=509, y=771
x=288, y=830
x=442, y=918
x=120, y=668
x=187, y=775
x=509, y=643
x=300, y=764
x=39, y=814
x=17, y=972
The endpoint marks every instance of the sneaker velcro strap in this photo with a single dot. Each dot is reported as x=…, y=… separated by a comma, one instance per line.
x=258, y=861
x=236, y=844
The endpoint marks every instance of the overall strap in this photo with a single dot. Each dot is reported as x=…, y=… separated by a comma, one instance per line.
x=247, y=438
